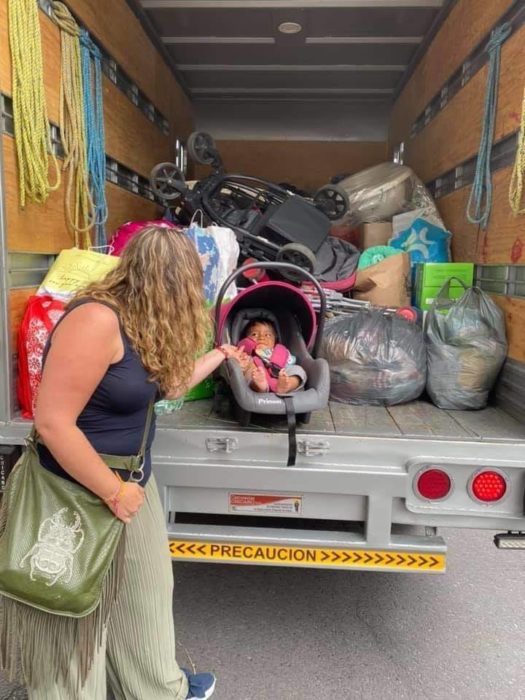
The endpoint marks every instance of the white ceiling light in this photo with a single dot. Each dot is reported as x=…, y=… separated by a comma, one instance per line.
x=289, y=28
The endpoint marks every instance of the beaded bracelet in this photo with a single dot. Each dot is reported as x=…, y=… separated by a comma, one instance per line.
x=114, y=501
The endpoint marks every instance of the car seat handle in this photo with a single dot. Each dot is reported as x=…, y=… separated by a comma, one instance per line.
x=276, y=266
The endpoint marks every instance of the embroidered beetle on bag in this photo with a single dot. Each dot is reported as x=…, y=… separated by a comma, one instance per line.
x=58, y=541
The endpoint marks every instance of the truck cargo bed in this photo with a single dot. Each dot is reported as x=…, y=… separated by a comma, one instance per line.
x=418, y=419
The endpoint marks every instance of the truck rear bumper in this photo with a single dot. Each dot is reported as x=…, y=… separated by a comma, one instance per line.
x=304, y=548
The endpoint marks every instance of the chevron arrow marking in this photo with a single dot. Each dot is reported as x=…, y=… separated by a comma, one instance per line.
x=283, y=555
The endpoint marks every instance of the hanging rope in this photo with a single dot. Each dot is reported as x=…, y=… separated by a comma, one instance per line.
x=32, y=132
x=480, y=201
x=518, y=173
x=95, y=138
x=79, y=204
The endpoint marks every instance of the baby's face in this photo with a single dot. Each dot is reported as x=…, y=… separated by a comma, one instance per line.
x=263, y=334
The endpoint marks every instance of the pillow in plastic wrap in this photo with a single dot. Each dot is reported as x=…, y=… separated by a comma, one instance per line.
x=466, y=348
x=375, y=359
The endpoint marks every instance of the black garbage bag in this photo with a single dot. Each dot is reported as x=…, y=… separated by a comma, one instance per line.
x=375, y=358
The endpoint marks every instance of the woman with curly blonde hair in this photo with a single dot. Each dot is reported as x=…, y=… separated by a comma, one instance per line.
x=122, y=343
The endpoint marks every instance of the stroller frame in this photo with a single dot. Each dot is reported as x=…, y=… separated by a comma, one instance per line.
x=270, y=222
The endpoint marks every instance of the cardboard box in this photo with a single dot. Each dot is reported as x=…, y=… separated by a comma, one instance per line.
x=385, y=284
x=430, y=277
x=371, y=235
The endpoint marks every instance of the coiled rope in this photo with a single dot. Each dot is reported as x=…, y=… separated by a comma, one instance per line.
x=79, y=203
x=95, y=137
x=480, y=200
x=32, y=131
x=518, y=172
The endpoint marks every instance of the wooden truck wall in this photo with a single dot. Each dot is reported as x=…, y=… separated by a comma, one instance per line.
x=132, y=139
x=452, y=136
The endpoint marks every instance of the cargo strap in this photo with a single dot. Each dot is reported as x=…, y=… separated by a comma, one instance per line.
x=292, y=424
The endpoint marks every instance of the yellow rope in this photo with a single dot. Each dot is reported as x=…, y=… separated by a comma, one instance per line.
x=79, y=203
x=518, y=173
x=32, y=133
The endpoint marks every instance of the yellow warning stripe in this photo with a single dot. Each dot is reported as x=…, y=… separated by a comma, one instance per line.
x=308, y=556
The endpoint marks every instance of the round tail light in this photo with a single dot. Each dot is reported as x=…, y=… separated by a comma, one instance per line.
x=488, y=486
x=433, y=484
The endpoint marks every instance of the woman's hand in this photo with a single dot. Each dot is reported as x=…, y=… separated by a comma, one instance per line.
x=127, y=502
x=229, y=351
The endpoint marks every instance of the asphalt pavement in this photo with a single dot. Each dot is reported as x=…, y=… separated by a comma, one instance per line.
x=306, y=634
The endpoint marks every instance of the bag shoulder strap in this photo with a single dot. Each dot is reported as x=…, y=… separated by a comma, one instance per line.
x=149, y=418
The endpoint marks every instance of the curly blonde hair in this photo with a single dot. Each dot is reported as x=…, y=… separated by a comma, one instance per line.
x=157, y=289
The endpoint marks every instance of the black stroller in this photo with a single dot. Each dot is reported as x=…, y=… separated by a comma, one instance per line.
x=292, y=315
x=270, y=222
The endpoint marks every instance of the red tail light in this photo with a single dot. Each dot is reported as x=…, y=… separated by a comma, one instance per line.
x=433, y=484
x=488, y=486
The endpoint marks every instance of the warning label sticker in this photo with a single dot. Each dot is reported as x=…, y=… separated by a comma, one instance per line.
x=265, y=503
x=308, y=556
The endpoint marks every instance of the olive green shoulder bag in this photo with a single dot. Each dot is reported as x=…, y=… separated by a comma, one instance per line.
x=57, y=539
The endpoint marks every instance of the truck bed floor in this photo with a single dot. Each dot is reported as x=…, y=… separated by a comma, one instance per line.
x=419, y=418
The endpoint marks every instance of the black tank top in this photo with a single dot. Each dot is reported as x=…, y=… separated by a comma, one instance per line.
x=114, y=418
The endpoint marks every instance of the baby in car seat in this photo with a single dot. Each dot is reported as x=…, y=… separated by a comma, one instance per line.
x=268, y=365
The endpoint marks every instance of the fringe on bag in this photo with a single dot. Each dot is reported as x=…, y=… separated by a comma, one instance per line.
x=40, y=649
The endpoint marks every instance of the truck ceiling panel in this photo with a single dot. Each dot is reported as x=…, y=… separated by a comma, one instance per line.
x=313, y=54
x=305, y=79
x=236, y=37
x=315, y=22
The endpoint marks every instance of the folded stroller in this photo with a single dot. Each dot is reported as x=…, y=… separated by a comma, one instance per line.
x=269, y=221
x=293, y=316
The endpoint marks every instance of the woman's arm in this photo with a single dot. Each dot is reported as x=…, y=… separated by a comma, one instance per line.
x=207, y=364
x=84, y=345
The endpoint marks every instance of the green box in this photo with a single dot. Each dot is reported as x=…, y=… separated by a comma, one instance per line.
x=430, y=277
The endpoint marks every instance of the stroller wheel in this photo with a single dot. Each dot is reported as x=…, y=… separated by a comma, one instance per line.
x=332, y=201
x=201, y=148
x=296, y=254
x=167, y=181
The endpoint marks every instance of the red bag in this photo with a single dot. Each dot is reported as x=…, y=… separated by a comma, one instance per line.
x=40, y=317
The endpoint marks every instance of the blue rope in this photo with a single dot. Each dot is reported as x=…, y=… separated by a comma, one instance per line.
x=95, y=138
x=480, y=201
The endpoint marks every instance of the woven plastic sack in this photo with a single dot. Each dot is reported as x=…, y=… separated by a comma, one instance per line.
x=40, y=317
x=375, y=359
x=74, y=269
x=466, y=348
